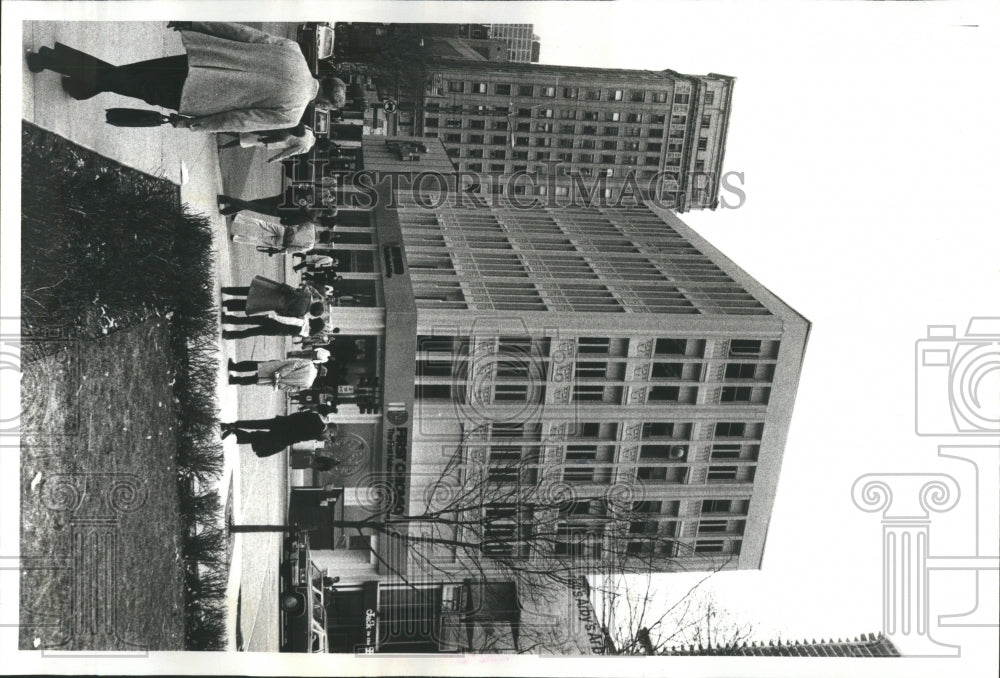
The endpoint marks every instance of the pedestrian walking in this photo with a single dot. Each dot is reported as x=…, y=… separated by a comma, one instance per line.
x=288, y=142
x=275, y=206
x=264, y=295
x=267, y=231
x=231, y=78
x=286, y=375
x=317, y=355
x=315, y=262
x=270, y=436
x=262, y=326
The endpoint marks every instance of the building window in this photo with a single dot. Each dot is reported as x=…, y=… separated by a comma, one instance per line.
x=723, y=451
x=702, y=144
x=609, y=146
x=585, y=157
x=740, y=370
x=658, y=118
x=617, y=95
x=545, y=113
x=653, y=147
x=456, y=86
x=523, y=127
x=543, y=142
x=678, y=120
x=588, y=143
x=708, y=546
x=567, y=129
x=567, y=114
x=630, y=160
x=712, y=526
x=613, y=117
x=498, y=139
x=668, y=370
x=431, y=135
x=652, y=161
x=706, y=121
x=510, y=392
x=669, y=474
x=571, y=92
x=453, y=152
x=502, y=89
x=498, y=154
x=520, y=155
x=453, y=138
x=638, y=96
x=633, y=131
x=659, y=97
x=476, y=138
x=655, y=133
x=590, y=115
x=631, y=146
x=453, y=123
x=590, y=369
x=699, y=164
x=730, y=429
x=547, y=92
x=564, y=157
x=433, y=391
x=565, y=143
x=709, y=98
x=590, y=129
x=431, y=122
x=498, y=168
x=479, y=87
x=670, y=347
x=682, y=98
x=600, y=345
x=722, y=474
x=476, y=166
x=736, y=394
x=542, y=155
x=521, y=141
x=475, y=152
x=744, y=347
x=500, y=124
x=633, y=117
x=652, y=429
x=592, y=95
x=525, y=90
x=664, y=394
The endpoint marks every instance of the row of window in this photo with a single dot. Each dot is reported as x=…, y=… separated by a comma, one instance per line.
x=576, y=93
x=567, y=128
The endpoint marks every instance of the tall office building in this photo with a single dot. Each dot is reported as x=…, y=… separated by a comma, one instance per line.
x=523, y=45
x=560, y=390
x=651, y=133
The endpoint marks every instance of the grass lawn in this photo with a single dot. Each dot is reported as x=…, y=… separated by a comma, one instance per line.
x=121, y=523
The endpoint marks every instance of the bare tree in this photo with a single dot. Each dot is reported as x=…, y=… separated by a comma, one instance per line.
x=641, y=622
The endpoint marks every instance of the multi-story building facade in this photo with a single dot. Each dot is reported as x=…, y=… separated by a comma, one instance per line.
x=523, y=45
x=560, y=391
x=657, y=134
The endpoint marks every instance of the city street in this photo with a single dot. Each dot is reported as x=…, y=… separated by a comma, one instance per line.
x=191, y=159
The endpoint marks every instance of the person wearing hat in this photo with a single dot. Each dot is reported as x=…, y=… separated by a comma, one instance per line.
x=231, y=78
x=286, y=375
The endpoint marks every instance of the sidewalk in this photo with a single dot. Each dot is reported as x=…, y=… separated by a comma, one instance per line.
x=192, y=161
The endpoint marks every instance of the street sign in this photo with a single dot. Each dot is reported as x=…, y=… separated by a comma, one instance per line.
x=389, y=106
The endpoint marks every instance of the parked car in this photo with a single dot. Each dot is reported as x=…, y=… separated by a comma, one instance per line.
x=316, y=41
x=303, y=615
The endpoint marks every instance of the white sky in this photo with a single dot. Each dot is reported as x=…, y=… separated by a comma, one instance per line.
x=867, y=134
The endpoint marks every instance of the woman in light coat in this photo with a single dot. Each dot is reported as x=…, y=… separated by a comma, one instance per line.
x=267, y=231
x=232, y=78
x=286, y=375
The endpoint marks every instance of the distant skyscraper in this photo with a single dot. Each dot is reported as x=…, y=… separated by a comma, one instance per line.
x=522, y=43
x=658, y=133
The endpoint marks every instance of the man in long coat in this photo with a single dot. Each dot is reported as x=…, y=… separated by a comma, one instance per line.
x=232, y=78
x=270, y=436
